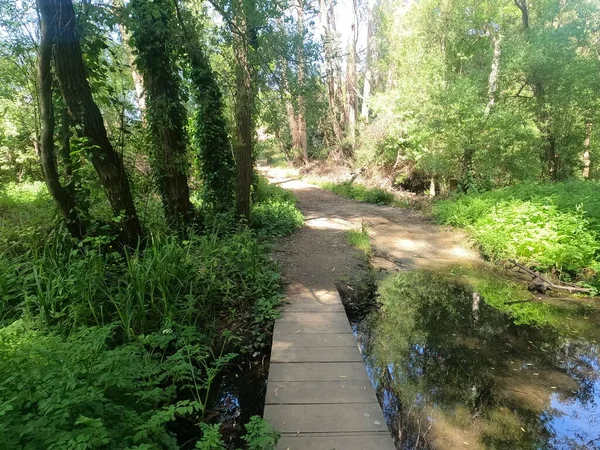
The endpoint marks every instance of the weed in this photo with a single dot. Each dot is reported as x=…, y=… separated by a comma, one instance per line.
x=360, y=240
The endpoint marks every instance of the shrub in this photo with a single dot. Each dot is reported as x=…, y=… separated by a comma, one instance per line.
x=546, y=226
x=274, y=212
x=79, y=392
x=361, y=193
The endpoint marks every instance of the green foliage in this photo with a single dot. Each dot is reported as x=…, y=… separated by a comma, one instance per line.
x=274, y=211
x=547, y=226
x=260, y=435
x=211, y=438
x=209, y=132
x=81, y=391
x=360, y=240
x=114, y=347
x=361, y=193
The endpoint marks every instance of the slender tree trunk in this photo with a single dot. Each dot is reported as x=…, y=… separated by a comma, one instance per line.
x=215, y=157
x=64, y=200
x=244, y=107
x=351, y=79
x=331, y=64
x=71, y=74
x=65, y=141
x=522, y=5
x=301, y=114
x=289, y=108
x=494, y=72
x=364, y=112
x=166, y=114
x=586, y=150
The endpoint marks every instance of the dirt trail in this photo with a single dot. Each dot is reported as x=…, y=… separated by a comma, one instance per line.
x=402, y=239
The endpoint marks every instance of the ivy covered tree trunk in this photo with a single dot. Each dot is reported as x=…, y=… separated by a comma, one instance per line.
x=71, y=75
x=215, y=157
x=152, y=33
x=64, y=199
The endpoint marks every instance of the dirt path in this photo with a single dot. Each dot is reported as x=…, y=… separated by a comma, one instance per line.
x=319, y=396
x=402, y=239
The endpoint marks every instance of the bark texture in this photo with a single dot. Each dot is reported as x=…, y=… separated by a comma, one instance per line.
x=76, y=91
x=301, y=114
x=244, y=107
x=352, y=106
x=64, y=200
x=364, y=111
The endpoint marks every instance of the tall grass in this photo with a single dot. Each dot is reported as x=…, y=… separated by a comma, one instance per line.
x=115, y=345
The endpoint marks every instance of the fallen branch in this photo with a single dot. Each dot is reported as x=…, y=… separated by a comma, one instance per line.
x=542, y=285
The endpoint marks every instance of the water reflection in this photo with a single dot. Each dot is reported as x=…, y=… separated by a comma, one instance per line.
x=452, y=372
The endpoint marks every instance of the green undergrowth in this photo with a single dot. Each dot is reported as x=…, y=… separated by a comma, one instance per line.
x=365, y=194
x=274, y=213
x=121, y=350
x=360, y=239
x=550, y=227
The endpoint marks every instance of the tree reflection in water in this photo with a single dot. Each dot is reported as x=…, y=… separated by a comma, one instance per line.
x=453, y=372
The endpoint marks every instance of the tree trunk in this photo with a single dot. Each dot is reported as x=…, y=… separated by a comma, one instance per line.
x=64, y=200
x=289, y=107
x=586, y=150
x=522, y=5
x=331, y=57
x=364, y=112
x=301, y=114
x=166, y=113
x=244, y=107
x=351, y=79
x=494, y=71
x=71, y=74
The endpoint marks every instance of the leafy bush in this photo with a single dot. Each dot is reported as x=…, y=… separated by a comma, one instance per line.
x=361, y=193
x=80, y=392
x=546, y=226
x=274, y=211
x=106, y=349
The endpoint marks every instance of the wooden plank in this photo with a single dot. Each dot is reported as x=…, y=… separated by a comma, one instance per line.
x=347, y=371
x=296, y=328
x=293, y=392
x=313, y=340
x=379, y=441
x=313, y=307
x=316, y=354
x=324, y=297
x=361, y=417
x=314, y=317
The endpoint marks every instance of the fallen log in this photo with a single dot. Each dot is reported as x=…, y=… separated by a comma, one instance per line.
x=541, y=284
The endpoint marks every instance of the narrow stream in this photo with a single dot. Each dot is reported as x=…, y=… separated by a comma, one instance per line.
x=452, y=372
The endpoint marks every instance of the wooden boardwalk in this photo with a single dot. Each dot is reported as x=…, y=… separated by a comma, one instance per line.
x=319, y=396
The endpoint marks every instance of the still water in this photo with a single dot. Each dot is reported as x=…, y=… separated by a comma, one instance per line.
x=454, y=373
